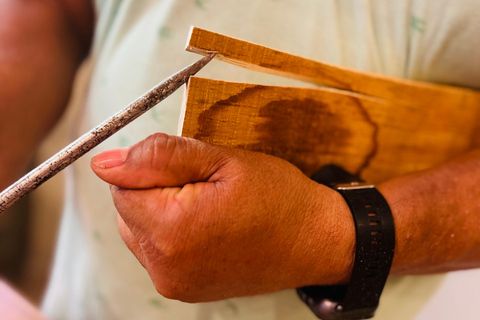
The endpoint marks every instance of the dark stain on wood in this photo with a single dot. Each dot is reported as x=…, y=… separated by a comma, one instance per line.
x=374, y=138
x=207, y=128
x=475, y=135
x=284, y=129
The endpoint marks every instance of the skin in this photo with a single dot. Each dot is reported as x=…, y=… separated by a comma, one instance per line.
x=209, y=222
x=48, y=38
x=15, y=307
x=42, y=43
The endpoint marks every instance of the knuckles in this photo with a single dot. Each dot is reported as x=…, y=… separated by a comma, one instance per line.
x=157, y=151
x=161, y=152
x=173, y=257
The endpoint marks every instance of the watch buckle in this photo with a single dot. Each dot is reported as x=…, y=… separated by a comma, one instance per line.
x=353, y=186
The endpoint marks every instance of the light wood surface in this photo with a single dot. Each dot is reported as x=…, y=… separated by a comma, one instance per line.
x=311, y=127
x=260, y=58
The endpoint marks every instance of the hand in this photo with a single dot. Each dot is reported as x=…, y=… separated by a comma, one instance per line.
x=209, y=222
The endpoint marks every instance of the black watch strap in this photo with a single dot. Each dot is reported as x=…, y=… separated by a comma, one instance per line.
x=374, y=249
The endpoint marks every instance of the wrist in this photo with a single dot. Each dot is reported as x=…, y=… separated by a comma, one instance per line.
x=335, y=236
x=375, y=242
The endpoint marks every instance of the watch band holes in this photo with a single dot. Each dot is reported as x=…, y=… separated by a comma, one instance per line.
x=375, y=233
x=373, y=246
x=368, y=206
x=375, y=223
x=372, y=214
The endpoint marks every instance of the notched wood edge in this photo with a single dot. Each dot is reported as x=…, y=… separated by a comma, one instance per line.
x=467, y=93
x=193, y=49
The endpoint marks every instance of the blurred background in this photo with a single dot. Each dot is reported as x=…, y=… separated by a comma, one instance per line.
x=28, y=230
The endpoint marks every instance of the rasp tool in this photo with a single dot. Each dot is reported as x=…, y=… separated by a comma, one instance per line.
x=94, y=137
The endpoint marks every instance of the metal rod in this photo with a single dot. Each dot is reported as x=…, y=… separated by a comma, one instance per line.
x=94, y=137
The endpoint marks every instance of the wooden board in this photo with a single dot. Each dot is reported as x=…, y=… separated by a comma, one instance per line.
x=313, y=127
x=260, y=58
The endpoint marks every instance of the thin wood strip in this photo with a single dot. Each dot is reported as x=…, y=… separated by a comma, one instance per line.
x=256, y=57
x=314, y=127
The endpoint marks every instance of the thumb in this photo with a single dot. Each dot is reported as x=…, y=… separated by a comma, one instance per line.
x=159, y=161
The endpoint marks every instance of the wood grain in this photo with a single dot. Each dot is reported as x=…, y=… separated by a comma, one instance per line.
x=260, y=58
x=312, y=127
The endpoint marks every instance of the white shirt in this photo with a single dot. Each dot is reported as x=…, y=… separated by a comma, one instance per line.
x=140, y=42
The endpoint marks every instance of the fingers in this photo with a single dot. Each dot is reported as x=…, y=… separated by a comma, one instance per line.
x=159, y=161
x=130, y=240
x=142, y=209
x=147, y=211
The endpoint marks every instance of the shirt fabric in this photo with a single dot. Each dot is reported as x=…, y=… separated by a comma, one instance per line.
x=138, y=43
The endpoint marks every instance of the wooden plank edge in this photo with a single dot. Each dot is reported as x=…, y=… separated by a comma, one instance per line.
x=336, y=91
x=371, y=84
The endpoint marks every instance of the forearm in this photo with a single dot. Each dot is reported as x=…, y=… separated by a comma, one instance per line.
x=40, y=50
x=437, y=217
x=437, y=223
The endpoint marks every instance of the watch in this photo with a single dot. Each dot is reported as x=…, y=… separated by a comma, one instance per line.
x=374, y=249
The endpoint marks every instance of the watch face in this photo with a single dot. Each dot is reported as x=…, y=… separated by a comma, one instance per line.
x=328, y=309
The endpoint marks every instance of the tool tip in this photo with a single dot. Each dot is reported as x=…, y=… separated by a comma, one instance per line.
x=210, y=56
x=205, y=60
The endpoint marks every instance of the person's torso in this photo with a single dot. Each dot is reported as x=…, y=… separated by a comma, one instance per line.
x=140, y=42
